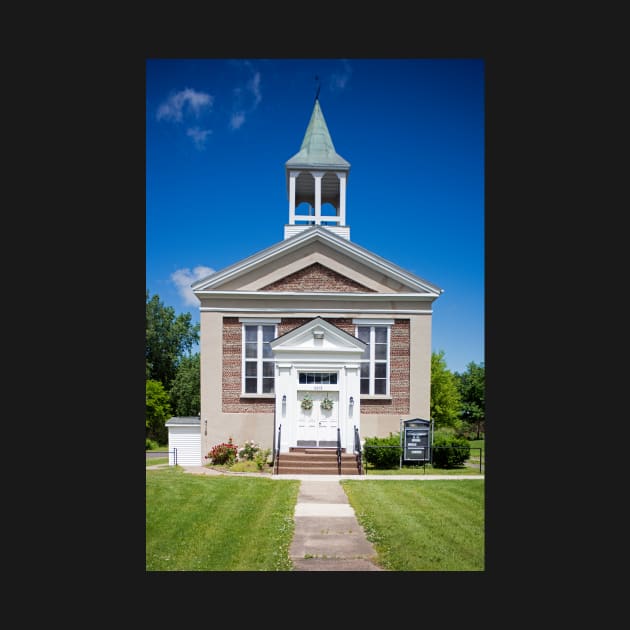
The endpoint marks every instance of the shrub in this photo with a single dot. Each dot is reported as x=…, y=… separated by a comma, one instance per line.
x=261, y=458
x=224, y=453
x=150, y=445
x=383, y=452
x=249, y=450
x=449, y=450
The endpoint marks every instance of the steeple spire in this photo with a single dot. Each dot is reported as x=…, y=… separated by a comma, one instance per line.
x=316, y=177
x=317, y=146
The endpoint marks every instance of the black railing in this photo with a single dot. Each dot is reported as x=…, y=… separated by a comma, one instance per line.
x=339, y=450
x=357, y=450
x=276, y=455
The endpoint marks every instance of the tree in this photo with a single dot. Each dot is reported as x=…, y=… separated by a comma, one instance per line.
x=168, y=338
x=185, y=391
x=445, y=398
x=158, y=411
x=472, y=389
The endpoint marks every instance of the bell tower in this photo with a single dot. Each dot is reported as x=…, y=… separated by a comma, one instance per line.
x=316, y=179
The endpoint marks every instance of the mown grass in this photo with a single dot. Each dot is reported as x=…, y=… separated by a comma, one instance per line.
x=419, y=470
x=154, y=461
x=199, y=523
x=429, y=526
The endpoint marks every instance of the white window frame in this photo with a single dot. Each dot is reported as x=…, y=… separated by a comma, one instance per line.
x=259, y=323
x=372, y=361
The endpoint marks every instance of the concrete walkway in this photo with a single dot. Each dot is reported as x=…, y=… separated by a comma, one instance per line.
x=327, y=534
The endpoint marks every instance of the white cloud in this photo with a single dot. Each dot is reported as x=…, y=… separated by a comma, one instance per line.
x=338, y=81
x=247, y=97
x=236, y=120
x=253, y=85
x=199, y=136
x=183, y=278
x=173, y=108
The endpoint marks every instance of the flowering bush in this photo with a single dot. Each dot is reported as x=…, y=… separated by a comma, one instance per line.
x=261, y=458
x=249, y=450
x=224, y=453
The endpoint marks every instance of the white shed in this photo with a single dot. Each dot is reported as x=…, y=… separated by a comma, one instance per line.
x=184, y=441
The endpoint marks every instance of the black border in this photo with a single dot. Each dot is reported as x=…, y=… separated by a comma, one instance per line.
x=110, y=182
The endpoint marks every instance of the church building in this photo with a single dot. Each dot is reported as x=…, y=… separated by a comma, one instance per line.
x=314, y=338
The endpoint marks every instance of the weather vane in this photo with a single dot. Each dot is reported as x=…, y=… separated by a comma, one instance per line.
x=318, y=87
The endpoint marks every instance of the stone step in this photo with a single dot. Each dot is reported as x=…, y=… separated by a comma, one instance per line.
x=308, y=460
x=300, y=470
x=320, y=457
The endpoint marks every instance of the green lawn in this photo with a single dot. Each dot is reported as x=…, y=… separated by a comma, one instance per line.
x=422, y=526
x=154, y=461
x=419, y=470
x=199, y=523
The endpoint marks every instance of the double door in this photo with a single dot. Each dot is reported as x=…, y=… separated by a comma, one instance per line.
x=317, y=426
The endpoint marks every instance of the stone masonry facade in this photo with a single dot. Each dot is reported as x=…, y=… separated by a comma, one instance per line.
x=234, y=402
x=317, y=278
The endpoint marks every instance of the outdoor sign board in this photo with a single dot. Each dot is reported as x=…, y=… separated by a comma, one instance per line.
x=417, y=440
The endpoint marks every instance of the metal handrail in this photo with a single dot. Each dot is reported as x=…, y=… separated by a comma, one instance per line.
x=357, y=450
x=339, y=450
x=276, y=456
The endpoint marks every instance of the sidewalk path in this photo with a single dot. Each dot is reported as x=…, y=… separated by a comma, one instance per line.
x=327, y=535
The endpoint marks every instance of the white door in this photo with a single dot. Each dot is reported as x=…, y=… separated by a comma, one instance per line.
x=317, y=426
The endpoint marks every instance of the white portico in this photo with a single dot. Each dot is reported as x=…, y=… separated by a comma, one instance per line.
x=315, y=362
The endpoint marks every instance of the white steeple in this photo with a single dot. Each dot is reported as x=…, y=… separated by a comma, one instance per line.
x=316, y=175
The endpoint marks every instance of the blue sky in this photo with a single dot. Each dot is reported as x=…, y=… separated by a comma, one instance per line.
x=219, y=131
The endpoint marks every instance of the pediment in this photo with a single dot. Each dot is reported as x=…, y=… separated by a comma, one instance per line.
x=311, y=253
x=317, y=335
x=317, y=278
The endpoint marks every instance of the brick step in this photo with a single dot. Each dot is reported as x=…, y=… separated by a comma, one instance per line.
x=299, y=470
x=352, y=463
x=314, y=450
x=316, y=462
x=315, y=459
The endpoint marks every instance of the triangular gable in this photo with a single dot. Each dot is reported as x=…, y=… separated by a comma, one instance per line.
x=317, y=278
x=317, y=335
x=358, y=257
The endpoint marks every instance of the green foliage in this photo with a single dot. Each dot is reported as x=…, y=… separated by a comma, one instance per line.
x=449, y=450
x=150, y=445
x=158, y=411
x=383, y=452
x=261, y=458
x=472, y=389
x=249, y=450
x=167, y=339
x=185, y=391
x=445, y=398
x=224, y=453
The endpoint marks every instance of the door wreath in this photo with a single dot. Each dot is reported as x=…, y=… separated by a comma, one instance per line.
x=326, y=403
x=307, y=402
